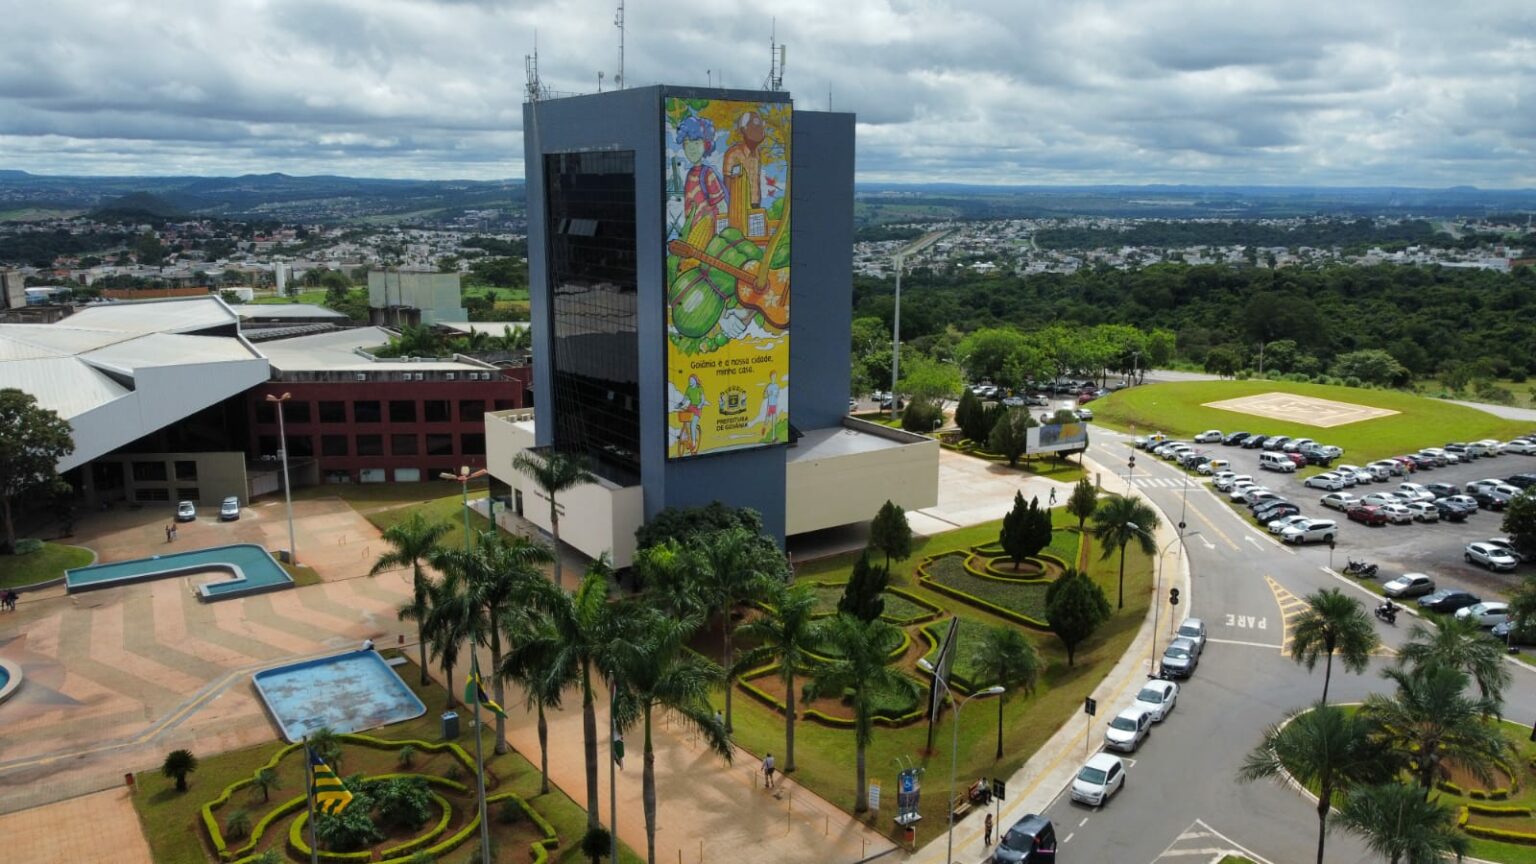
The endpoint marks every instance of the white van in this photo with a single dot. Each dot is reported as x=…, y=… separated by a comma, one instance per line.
x=1276, y=462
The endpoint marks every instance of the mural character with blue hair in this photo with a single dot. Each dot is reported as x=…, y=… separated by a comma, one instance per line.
x=703, y=189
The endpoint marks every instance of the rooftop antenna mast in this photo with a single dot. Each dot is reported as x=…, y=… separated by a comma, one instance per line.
x=534, y=87
x=618, y=21
x=775, y=60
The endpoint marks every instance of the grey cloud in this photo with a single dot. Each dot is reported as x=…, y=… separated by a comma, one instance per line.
x=1313, y=91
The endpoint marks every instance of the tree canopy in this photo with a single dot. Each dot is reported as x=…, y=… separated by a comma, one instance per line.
x=36, y=439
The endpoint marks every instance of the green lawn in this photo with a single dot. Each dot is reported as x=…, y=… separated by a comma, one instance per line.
x=1025, y=598
x=313, y=298
x=897, y=607
x=384, y=504
x=1235, y=859
x=1178, y=410
x=173, y=822
x=47, y=563
x=825, y=755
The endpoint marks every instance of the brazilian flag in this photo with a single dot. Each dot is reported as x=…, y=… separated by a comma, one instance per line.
x=473, y=692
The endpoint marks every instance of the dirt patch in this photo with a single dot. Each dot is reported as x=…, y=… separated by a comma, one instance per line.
x=1308, y=410
x=1465, y=779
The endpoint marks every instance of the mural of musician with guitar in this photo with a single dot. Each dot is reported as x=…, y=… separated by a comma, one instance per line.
x=727, y=271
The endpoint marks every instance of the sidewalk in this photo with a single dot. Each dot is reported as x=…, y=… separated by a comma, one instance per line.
x=1036, y=785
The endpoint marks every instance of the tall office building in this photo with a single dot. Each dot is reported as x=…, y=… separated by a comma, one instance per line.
x=690, y=282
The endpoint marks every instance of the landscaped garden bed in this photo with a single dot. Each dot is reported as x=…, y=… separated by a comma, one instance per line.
x=1020, y=601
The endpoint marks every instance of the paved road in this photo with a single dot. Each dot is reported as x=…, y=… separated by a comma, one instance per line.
x=1181, y=796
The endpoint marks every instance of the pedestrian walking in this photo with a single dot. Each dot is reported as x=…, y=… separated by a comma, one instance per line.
x=1053, y=497
x=768, y=765
x=987, y=830
x=167, y=533
x=173, y=532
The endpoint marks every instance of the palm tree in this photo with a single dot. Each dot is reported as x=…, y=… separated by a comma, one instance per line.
x=737, y=567
x=1005, y=658
x=1324, y=748
x=588, y=631
x=860, y=673
x=1333, y=623
x=1459, y=643
x=554, y=472
x=412, y=543
x=178, y=764
x=327, y=745
x=785, y=635
x=1432, y=722
x=1119, y=520
x=266, y=780
x=661, y=671
x=505, y=570
x=450, y=614
x=1397, y=822
x=534, y=661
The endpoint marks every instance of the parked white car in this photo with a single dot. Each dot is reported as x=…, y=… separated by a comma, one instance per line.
x=1409, y=585
x=1100, y=778
x=1329, y=481
x=1279, y=525
x=1128, y=729
x=1486, y=614
x=1209, y=436
x=1230, y=483
x=1341, y=501
x=1360, y=474
x=1489, y=556
x=1244, y=494
x=1520, y=446
x=1494, y=446
x=1424, y=511
x=1312, y=531
x=1381, y=499
x=1393, y=467
x=1215, y=466
x=1414, y=492
x=1397, y=514
x=1158, y=697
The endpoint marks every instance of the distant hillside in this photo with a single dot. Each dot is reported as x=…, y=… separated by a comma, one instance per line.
x=272, y=196
x=138, y=207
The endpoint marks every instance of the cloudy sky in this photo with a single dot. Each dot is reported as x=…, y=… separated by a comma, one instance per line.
x=1319, y=92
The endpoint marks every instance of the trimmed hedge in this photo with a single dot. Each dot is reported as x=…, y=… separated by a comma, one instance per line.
x=930, y=610
x=539, y=849
x=934, y=585
x=216, y=833
x=993, y=567
x=745, y=681
x=901, y=648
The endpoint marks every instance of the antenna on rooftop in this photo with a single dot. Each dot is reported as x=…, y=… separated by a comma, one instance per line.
x=775, y=79
x=618, y=21
x=534, y=87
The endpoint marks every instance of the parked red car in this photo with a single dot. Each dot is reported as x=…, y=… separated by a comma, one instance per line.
x=1368, y=515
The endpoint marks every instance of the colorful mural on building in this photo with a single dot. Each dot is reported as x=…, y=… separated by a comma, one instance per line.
x=727, y=272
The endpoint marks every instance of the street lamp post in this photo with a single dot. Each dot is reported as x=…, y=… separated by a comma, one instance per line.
x=954, y=752
x=1157, y=588
x=282, y=445
x=463, y=478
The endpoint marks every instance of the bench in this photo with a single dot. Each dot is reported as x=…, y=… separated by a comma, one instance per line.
x=962, y=807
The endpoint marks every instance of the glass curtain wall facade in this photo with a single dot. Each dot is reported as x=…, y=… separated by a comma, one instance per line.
x=593, y=327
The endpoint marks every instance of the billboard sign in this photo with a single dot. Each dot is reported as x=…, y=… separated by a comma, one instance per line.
x=727, y=274
x=1058, y=438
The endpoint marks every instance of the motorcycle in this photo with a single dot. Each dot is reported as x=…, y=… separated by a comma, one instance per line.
x=1362, y=569
x=1387, y=612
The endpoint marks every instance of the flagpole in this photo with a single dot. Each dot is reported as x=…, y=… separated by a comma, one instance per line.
x=485, y=831
x=613, y=786
x=309, y=795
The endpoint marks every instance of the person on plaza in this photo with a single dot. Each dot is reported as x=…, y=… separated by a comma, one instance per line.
x=768, y=765
x=367, y=644
x=167, y=533
x=987, y=829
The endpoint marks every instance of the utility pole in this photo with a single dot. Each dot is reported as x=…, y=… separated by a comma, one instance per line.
x=896, y=336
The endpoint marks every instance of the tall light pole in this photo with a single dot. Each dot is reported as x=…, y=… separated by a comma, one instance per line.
x=282, y=445
x=1157, y=588
x=463, y=478
x=954, y=752
x=896, y=335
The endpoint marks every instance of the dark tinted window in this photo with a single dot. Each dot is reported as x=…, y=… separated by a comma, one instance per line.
x=472, y=443
x=593, y=326
x=295, y=412
x=266, y=412
x=333, y=412
x=472, y=410
x=440, y=445
x=402, y=445
x=186, y=469
x=402, y=412
x=301, y=446
x=333, y=445
x=437, y=410
x=370, y=445
x=366, y=412
x=148, y=472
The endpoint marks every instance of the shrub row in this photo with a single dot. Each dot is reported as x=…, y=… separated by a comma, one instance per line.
x=933, y=585
x=900, y=649
x=811, y=713
x=426, y=837
x=994, y=568
x=1485, y=832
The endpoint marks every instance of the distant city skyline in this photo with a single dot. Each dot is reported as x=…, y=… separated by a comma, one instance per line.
x=1369, y=93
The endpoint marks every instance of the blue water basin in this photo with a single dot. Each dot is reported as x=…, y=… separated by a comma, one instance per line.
x=249, y=569
x=351, y=692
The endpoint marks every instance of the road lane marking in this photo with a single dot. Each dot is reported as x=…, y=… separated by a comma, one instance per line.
x=1211, y=525
x=1084, y=822
x=1290, y=605
x=1271, y=646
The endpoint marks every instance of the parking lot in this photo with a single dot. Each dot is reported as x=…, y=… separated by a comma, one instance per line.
x=1435, y=548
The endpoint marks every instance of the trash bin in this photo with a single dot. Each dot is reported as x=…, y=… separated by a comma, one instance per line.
x=450, y=725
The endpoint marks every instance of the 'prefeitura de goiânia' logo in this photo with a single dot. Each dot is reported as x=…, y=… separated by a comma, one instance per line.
x=733, y=401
